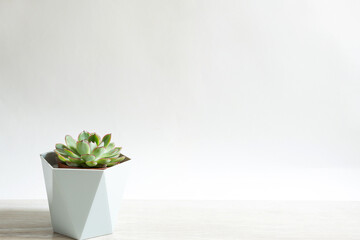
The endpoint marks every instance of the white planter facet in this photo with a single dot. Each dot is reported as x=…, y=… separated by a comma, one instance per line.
x=83, y=203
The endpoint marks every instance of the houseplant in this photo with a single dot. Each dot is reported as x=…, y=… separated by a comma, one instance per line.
x=84, y=181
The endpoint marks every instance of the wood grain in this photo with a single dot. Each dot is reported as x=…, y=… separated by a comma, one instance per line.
x=220, y=220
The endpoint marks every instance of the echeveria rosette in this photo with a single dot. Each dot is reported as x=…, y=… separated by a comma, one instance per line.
x=89, y=151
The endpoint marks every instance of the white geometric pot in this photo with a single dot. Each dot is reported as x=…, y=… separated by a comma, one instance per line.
x=83, y=203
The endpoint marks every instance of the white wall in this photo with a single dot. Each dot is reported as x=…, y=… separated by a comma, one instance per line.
x=212, y=99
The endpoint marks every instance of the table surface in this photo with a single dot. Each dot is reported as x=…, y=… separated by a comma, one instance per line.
x=220, y=220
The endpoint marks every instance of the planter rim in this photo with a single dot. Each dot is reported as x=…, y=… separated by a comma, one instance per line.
x=43, y=156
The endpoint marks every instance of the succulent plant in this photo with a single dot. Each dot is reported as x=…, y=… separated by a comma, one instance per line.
x=89, y=151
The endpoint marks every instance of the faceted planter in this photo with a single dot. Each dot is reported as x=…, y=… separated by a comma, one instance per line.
x=83, y=203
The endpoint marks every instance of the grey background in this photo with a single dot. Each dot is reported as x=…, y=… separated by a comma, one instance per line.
x=212, y=99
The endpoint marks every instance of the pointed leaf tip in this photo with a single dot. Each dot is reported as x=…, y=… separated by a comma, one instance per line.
x=106, y=139
x=84, y=135
x=70, y=142
x=60, y=146
x=95, y=138
x=61, y=157
x=71, y=153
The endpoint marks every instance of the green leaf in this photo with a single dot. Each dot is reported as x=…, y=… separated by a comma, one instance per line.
x=61, y=157
x=103, y=160
x=106, y=139
x=60, y=151
x=111, y=164
x=118, y=159
x=94, y=138
x=110, y=147
x=76, y=160
x=83, y=147
x=70, y=142
x=92, y=146
x=88, y=157
x=60, y=146
x=112, y=153
x=91, y=163
x=83, y=135
x=98, y=152
x=71, y=153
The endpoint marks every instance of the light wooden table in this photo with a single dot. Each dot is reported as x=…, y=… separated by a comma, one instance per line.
x=196, y=220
